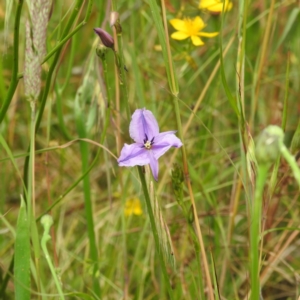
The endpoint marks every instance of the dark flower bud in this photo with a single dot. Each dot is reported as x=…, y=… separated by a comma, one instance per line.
x=105, y=37
x=268, y=144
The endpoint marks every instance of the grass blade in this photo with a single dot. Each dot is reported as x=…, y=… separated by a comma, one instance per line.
x=22, y=255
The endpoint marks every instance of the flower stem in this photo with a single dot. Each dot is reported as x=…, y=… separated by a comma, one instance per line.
x=291, y=161
x=262, y=173
x=163, y=36
x=155, y=232
x=47, y=223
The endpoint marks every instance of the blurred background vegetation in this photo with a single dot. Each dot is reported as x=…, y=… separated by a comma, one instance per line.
x=221, y=163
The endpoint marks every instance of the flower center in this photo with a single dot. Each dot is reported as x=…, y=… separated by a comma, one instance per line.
x=148, y=144
x=191, y=29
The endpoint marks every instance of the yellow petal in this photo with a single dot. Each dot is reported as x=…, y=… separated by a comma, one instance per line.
x=138, y=211
x=215, y=6
x=207, y=3
x=228, y=5
x=179, y=35
x=127, y=212
x=178, y=24
x=198, y=24
x=196, y=40
x=133, y=206
x=208, y=34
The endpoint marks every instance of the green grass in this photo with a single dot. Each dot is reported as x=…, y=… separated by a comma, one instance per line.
x=221, y=226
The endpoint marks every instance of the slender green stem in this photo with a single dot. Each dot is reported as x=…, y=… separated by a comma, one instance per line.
x=262, y=173
x=31, y=177
x=291, y=161
x=71, y=56
x=286, y=94
x=60, y=116
x=262, y=61
x=121, y=71
x=71, y=187
x=108, y=97
x=196, y=248
x=14, y=79
x=63, y=41
x=163, y=37
x=31, y=195
x=47, y=223
x=119, y=59
x=155, y=232
x=283, y=125
x=2, y=82
x=173, y=79
x=188, y=183
x=84, y=150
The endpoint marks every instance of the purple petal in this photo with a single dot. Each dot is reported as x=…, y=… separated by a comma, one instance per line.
x=163, y=142
x=153, y=164
x=143, y=123
x=133, y=155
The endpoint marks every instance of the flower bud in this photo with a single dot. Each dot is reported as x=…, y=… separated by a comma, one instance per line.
x=105, y=37
x=47, y=221
x=101, y=51
x=268, y=144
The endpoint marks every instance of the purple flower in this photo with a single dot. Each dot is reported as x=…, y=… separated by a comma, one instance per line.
x=105, y=37
x=149, y=144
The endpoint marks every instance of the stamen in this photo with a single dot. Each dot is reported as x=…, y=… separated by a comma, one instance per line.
x=148, y=145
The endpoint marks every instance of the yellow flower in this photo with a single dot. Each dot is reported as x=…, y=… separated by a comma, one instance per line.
x=133, y=207
x=215, y=6
x=190, y=28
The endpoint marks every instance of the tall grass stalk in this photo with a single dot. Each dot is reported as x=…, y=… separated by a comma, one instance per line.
x=194, y=111
x=84, y=151
x=31, y=196
x=262, y=62
x=163, y=37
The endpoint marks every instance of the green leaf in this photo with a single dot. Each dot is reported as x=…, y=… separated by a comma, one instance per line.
x=22, y=255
